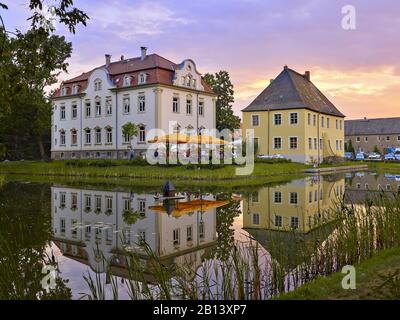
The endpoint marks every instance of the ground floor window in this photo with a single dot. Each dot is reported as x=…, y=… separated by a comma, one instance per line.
x=293, y=142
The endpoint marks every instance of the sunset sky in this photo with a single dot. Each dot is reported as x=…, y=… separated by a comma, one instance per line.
x=359, y=70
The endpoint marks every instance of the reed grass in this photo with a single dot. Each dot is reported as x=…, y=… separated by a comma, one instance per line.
x=249, y=271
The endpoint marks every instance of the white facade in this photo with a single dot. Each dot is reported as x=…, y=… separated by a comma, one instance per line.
x=89, y=124
x=90, y=223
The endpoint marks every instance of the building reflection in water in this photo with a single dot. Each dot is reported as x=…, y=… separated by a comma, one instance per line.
x=91, y=224
x=283, y=218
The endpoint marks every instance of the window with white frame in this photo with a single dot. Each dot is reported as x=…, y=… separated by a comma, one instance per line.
x=337, y=144
x=256, y=218
x=74, y=137
x=176, y=236
x=108, y=107
x=62, y=113
x=142, y=103
x=64, y=91
x=98, y=135
x=337, y=124
x=278, y=221
x=358, y=139
x=142, y=236
x=294, y=222
x=277, y=197
x=97, y=85
x=188, y=106
x=97, y=202
x=322, y=121
x=327, y=122
x=109, y=203
x=88, y=109
x=293, y=197
x=74, y=109
x=127, y=138
x=109, y=135
x=88, y=136
x=127, y=81
x=98, y=108
x=314, y=120
x=294, y=118
x=387, y=138
x=277, y=119
x=201, y=229
x=75, y=89
x=189, y=233
x=62, y=225
x=201, y=108
x=315, y=143
x=277, y=143
x=309, y=119
x=127, y=105
x=142, y=134
x=142, y=78
x=175, y=105
x=255, y=120
x=142, y=207
x=62, y=137
x=310, y=143
x=292, y=142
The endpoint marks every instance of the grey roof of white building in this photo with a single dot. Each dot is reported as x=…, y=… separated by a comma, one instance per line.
x=372, y=126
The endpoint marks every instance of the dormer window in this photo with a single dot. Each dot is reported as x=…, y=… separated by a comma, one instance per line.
x=97, y=85
x=127, y=81
x=64, y=91
x=75, y=89
x=142, y=78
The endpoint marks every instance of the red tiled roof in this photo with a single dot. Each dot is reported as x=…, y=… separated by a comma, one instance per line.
x=157, y=68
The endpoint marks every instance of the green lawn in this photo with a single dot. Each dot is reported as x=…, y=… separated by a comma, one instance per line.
x=393, y=167
x=60, y=168
x=373, y=281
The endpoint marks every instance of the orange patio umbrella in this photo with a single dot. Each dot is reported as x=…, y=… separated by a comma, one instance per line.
x=206, y=139
x=172, y=138
x=181, y=208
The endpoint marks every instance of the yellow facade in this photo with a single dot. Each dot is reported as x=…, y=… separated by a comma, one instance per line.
x=325, y=131
x=301, y=205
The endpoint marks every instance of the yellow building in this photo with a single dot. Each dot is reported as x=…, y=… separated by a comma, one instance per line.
x=301, y=205
x=291, y=117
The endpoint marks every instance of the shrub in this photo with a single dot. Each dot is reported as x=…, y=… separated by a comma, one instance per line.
x=333, y=160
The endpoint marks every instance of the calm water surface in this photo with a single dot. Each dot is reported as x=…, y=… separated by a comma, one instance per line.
x=79, y=227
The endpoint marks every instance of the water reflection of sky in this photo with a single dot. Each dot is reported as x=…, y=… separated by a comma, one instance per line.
x=190, y=237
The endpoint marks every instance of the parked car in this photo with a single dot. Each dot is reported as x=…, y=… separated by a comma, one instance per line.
x=389, y=157
x=349, y=155
x=397, y=156
x=360, y=156
x=374, y=156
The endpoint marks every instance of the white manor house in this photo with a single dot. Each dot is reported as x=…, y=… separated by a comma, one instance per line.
x=150, y=91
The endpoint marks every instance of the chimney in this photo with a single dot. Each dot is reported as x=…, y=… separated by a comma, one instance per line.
x=307, y=75
x=143, y=52
x=122, y=58
x=108, y=60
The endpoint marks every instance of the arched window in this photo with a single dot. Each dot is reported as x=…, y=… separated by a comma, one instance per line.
x=127, y=81
x=142, y=78
x=75, y=89
x=88, y=136
x=62, y=137
x=142, y=133
x=74, y=137
x=108, y=134
x=97, y=85
x=98, y=135
x=98, y=106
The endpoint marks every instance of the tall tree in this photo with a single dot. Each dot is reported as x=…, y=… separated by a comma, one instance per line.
x=221, y=84
x=29, y=63
x=37, y=59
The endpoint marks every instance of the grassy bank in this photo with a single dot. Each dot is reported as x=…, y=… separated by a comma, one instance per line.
x=126, y=170
x=376, y=278
x=393, y=167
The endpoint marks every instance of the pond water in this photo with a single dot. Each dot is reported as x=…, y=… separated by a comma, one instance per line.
x=78, y=228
